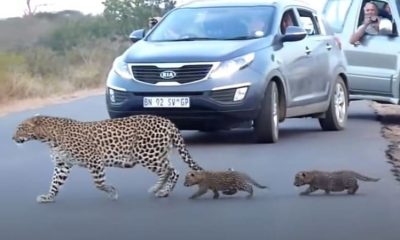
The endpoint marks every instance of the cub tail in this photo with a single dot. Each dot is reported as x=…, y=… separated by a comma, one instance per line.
x=252, y=181
x=364, y=178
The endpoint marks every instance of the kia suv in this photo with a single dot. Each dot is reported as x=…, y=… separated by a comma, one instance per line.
x=213, y=65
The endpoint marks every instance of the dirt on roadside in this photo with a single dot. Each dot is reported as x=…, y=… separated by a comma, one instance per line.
x=27, y=104
x=389, y=116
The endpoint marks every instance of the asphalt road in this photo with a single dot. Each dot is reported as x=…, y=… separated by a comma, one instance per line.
x=82, y=212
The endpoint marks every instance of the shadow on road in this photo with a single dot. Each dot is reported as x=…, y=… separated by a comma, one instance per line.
x=242, y=136
x=363, y=116
x=332, y=195
x=389, y=119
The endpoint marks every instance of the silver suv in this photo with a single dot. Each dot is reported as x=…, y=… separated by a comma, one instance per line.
x=374, y=64
x=214, y=65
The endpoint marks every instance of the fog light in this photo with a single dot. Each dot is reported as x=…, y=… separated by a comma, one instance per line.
x=111, y=93
x=240, y=94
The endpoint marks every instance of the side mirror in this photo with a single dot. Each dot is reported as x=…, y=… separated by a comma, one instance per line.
x=385, y=27
x=137, y=35
x=294, y=33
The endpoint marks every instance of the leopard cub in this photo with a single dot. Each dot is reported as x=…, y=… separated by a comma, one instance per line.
x=330, y=181
x=229, y=182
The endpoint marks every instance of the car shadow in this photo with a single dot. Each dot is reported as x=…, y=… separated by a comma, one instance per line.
x=242, y=136
x=364, y=116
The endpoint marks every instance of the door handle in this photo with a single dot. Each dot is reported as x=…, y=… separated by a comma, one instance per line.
x=328, y=46
x=308, y=50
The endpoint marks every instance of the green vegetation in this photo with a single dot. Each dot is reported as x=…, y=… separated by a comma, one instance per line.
x=51, y=53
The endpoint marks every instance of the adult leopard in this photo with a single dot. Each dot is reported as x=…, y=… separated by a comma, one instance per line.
x=121, y=142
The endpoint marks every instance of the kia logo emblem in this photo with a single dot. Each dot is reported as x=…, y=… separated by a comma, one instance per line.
x=168, y=74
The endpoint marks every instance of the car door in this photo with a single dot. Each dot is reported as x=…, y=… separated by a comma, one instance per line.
x=318, y=47
x=295, y=65
x=373, y=64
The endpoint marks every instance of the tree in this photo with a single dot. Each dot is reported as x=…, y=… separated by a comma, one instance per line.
x=31, y=10
x=127, y=15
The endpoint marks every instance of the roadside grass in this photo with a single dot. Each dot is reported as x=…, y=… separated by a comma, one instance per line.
x=41, y=72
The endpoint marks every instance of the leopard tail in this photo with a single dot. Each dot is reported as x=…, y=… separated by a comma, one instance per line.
x=364, y=178
x=252, y=181
x=178, y=142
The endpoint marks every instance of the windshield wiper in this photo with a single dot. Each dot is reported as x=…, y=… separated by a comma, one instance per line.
x=194, y=39
x=241, y=38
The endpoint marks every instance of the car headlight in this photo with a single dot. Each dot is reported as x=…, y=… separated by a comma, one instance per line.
x=227, y=68
x=121, y=68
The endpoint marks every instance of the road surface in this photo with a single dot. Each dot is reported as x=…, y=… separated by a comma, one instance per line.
x=82, y=212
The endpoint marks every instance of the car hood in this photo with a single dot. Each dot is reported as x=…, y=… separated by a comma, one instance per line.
x=191, y=51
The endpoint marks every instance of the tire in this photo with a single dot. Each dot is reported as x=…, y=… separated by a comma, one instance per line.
x=336, y=115
x=266, y=125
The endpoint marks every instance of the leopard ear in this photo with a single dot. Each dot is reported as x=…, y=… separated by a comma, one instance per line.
x=304, y=174
x=30, y=122
x=34, y=121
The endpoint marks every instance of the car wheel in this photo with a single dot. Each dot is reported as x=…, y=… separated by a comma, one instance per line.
x=266, y=126
x=336, y=115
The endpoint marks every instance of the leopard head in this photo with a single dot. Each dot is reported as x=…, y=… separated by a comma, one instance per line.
x=29, y=129
x=302, y=178
x=193, y=178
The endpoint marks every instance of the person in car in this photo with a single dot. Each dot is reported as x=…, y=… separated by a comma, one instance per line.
x=370, y=24
x=153, y=21
x=286, y=22
x=386, y=12
x=257, y=26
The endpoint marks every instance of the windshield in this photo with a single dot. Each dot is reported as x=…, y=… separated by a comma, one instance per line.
x=217, y=23
x=335, y=12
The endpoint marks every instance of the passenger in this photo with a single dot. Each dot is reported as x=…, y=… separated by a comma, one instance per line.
x=286, y=22
x=386, y=13
x=153, y=21
x=257, y=26
x=370, y=24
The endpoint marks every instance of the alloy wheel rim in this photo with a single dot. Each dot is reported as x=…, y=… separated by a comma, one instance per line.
x=275, y=112
x=340, y=103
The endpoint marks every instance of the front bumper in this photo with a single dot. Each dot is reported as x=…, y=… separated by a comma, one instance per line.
x=208, y=109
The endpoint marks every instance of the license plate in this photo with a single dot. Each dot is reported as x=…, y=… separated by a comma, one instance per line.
x=166, y=102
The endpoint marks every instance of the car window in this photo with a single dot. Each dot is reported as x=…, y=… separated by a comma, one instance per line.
x=309, y=22
x=335, y=12
x=214, y=23
x=384, y=11
x=326, y=29
x=288, y=19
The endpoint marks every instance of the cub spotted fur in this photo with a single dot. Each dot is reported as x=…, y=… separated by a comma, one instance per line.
x=229, y=182
x=330, y=181
x=122, y=142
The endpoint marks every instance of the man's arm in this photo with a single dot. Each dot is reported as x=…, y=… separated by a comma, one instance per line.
x=358, y=34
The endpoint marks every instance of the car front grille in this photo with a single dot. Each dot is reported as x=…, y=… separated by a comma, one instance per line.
x=184, y=74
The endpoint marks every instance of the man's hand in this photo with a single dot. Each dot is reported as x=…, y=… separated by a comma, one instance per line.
x=367, y=21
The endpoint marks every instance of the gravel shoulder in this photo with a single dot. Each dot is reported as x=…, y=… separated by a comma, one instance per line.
x=27, y=104
x=389, y=116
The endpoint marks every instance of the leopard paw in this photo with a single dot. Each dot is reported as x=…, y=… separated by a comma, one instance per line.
x=162, y=193
x=154, y=188
x=45, y=198
x=112, y=192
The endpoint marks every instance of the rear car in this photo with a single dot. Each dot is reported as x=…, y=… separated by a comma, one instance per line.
x=374, y=63
x=212, y=65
